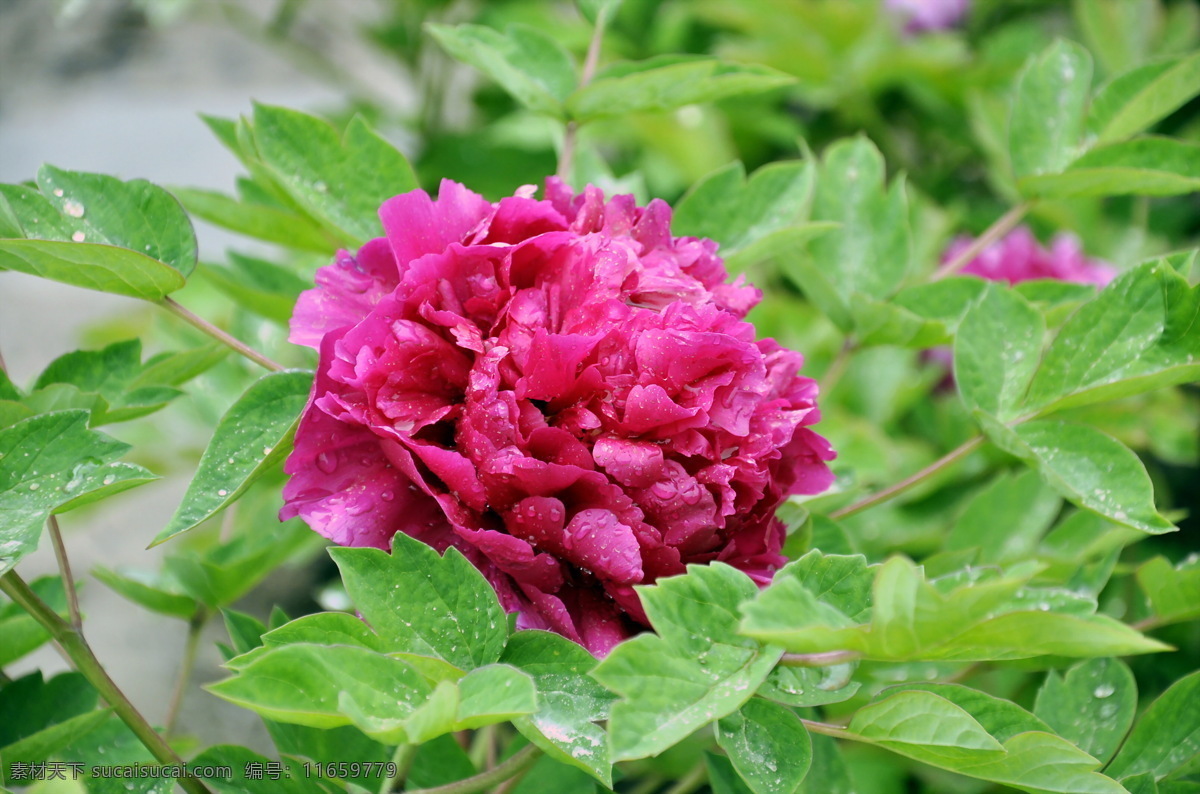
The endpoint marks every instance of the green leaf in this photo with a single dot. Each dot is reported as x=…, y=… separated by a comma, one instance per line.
x=804, y=687
x=1138, y=334
x=1047, y=121
x=326, y=628
x=569, y=702
x=722, y=777
x=294, y=778
x=245, y=631
x=668, y=82
x=598, y=12
x=996, y=352
x=1090, y=469
x=307, y=684
x=421, y=602
x=112, y=383
x=260, y=286
x=41, y=717
x=1141, y=97
x=1166, y=735
x=149, y=590
x=768, y=746
x=1149, y=166
x=174, y=369
x=50, y=464
x=1120, y=33
x=1022, y=753
x=99, y=267
x=253, y=435
x=222, y=574
x=528, y=64
x=260, y=221
x=1173, y=591
x=19, y=632
x=925, y=726
x=870, y=251
x=1092, y=706
x=738, y=212
x=1006, y=519
x=339, y=180
x=975, y=615
x=828, y=773
x=693, y=671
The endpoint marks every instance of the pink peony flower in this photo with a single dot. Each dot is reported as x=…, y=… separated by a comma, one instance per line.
x=1019, y=257
x=559, y=389
x=923, y=15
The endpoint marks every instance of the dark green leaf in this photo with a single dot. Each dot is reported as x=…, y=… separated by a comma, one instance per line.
x=722, y=777
x=693, y=671
x=1092, y=706
x=768, y=746
x=41, y=717
x=1173, y=591
x=1047, y=121
x=253, y=435
x=19, y=632
x=50, y=464
x=421, y=602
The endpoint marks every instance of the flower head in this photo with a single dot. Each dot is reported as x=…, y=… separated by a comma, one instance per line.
x=1019, y=257
x=559, y=389
x=923, y=15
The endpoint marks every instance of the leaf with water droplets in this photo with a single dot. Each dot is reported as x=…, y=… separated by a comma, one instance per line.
x=1092, y=706
x=1166, y=736
x=1047, y=120
x=569, y=702
x=136, y=238
x=253, y=435
x=42, y=717
x=50, y=464
x=424, y=603
x=696, y=669
x=768, y=746
x=1173, y=591
x=996, y=350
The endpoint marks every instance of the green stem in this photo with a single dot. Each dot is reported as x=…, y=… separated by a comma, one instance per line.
x=64, y=568
x=77, y=653
x=186, y=666
x=908, y=482
x=837, y=368
x=827, y=659
x=693, y=780
x=1003, y=225
x=585, y=77
x=402, y=757
x=521, y=760
x=216, y=333
x=830, y=730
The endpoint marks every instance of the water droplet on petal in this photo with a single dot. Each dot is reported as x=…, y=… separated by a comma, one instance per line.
x=327, y=462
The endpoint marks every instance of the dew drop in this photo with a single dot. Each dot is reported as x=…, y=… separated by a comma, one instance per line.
x=109, y=480
x=33, y=486
x=327, y=462
x=222, y=492
x=79, y=237
x=1103, y=691
x=58, y=192
x=73, y=208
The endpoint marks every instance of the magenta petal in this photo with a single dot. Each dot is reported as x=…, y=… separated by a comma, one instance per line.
x=650, y=407
x=599, y=542
x=346, y=292
x=631, y=463
x=417, y=225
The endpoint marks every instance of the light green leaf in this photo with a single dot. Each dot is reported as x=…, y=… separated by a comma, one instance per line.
x=245, y=631
x=871, y=250
x=1092, y=706
x=1121, y=32
x=1173, y=591
x=50, y=464
x=1165, y=736
x=1149, y=166
x=258, y=285
x=996, y=351
x=339, y=180
x=528, y=64
x=828, y=773
x=693, y=671
x=598, y=12
x=1139, y=334
x=1141, y=97
x=1090, y=469
x=738, y=212
x=768, y=745
x=1046, y=125
x=804, y=687
x=150, y=590
x=326, y=628
x=668, y=82
x=253, y=435
x=99, y=267
x=302, y=684
x=925, y=726
x=260, y=221
x=1006, y=519
x=570, y=703
x=421, y=602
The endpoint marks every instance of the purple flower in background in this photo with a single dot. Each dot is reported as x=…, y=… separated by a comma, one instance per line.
x=923, y=15
x=558, y=388
x=1019, y=257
